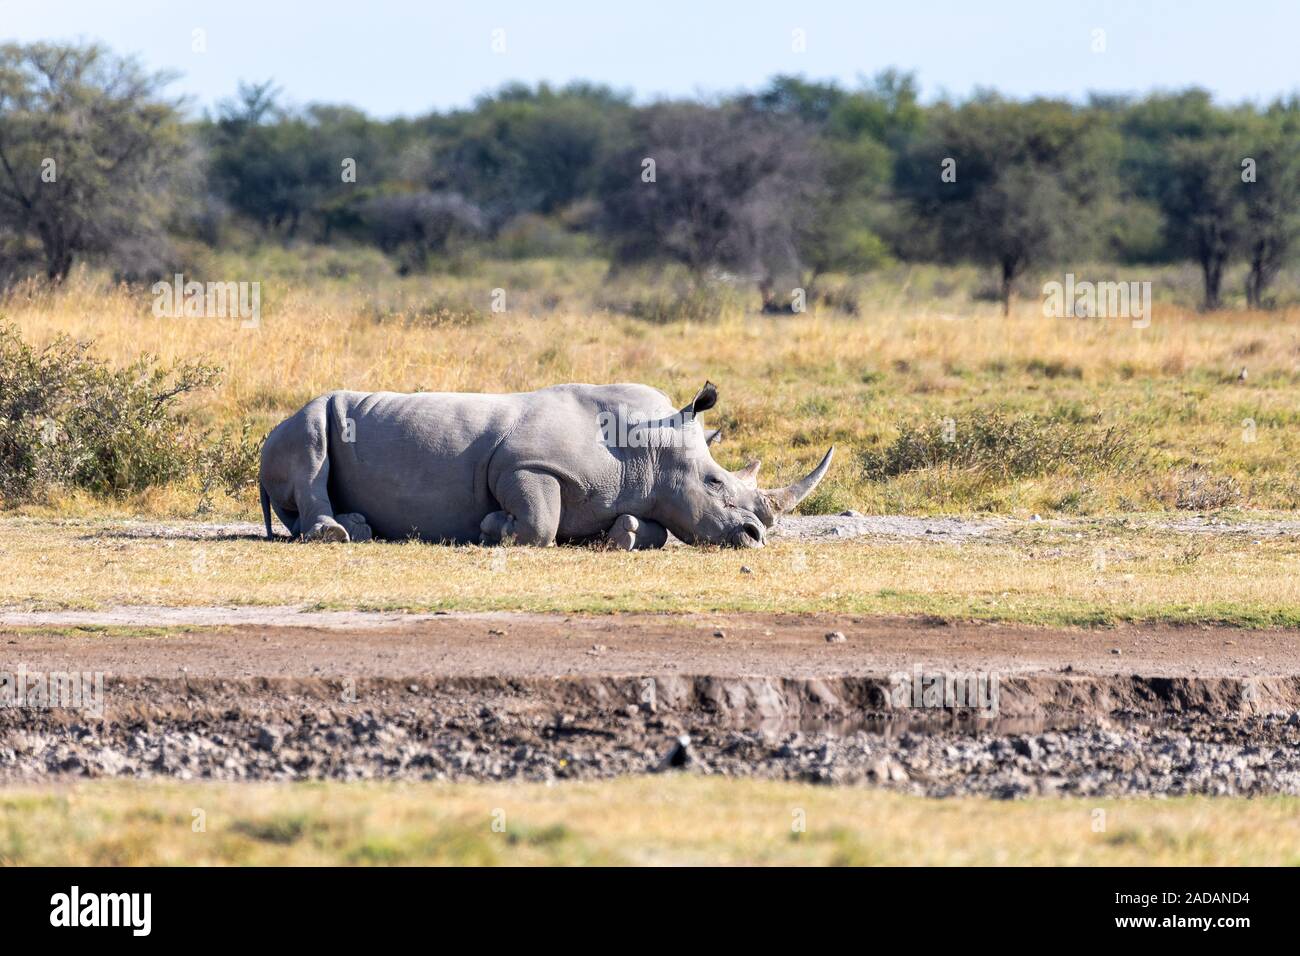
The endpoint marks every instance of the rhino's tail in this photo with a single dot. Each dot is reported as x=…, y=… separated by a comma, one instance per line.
x=266, y=510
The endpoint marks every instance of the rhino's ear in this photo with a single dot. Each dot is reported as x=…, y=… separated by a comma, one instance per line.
x=713, y=436
x=704, y=399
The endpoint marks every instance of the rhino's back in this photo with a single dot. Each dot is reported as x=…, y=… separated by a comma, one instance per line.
x=424, y=463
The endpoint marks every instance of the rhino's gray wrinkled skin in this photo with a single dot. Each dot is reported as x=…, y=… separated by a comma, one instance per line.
x=532, y=467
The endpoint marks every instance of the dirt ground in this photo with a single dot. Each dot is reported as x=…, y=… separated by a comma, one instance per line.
x=291, y=692
x=845, y=526
x=237, y=694
x=289, y=642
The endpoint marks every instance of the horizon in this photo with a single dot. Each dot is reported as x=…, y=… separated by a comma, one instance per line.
x=438, y=65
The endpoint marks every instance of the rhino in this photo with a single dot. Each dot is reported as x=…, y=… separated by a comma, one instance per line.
x=564, y=464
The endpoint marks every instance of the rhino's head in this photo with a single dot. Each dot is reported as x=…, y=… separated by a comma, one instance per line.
x=701, y=502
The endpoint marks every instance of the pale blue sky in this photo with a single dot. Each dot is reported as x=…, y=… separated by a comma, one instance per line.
x=406, y=58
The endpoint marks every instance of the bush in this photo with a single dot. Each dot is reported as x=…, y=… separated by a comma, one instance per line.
x=411, y=227
x=229, y=463
x=1196, y=489
x=671, y=301
x=441, y=310
x=531, y=236
x=1001, y=447
x=69, y=420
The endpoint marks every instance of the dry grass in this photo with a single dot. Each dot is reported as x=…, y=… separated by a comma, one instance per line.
x=789, y=386
x=1078, y=573
x=645, y=820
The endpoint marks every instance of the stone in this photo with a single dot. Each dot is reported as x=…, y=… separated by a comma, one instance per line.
x=269, y=738
x=679, y=755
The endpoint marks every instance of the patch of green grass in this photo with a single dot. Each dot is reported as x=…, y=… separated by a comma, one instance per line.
x=829, y=498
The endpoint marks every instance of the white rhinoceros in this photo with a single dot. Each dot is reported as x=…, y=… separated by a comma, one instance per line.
x=563, y=464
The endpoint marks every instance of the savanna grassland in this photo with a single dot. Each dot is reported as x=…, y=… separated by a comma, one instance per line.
x=1050, y=416
x=936, y=403
x=1098, y=472
x=640, y=821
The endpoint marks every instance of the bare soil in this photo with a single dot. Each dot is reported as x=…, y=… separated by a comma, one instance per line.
x=280, y=642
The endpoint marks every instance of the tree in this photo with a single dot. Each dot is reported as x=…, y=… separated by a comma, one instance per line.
x=283, y=168
x=1004, y=183
x=266, y=161
x=527, y=150
x=90, y=152
x=715, y=187
x=1202, y=203
x=413, y=226
x=853, y=135
x=1272, y=202
x=1183, y=153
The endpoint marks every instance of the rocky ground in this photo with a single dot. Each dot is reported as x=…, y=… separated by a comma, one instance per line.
x=246, y=732
x=537, y=697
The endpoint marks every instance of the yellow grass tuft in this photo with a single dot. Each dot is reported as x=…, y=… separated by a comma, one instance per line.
x=660, y=820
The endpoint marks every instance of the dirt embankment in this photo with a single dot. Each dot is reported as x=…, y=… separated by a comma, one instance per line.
x=496, y=696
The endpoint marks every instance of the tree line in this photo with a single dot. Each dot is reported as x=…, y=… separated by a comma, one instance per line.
x=779, y=186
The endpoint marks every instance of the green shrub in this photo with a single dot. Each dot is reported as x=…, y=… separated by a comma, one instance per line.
x=1003, y=447
x=69, y=420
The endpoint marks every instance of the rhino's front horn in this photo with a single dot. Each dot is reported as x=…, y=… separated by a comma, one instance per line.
x=785, y=500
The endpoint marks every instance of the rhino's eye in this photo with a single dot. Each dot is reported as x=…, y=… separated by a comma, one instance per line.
x=713, y=481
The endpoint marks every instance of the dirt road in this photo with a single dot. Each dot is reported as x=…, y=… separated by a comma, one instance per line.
x=294, y=642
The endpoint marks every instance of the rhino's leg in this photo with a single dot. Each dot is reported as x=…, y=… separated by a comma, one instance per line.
x=325, y=528
x=307, y=506
x=356, y=527
x=295, y=475
x=496, y=528
x=637, y=534
x=531, y=502
x=315, y=514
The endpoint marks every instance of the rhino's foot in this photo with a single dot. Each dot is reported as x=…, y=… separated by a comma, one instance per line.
x=630, y=533
x=496, y=528
x=623, y=533
x=326, y=529
x=356, y=526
